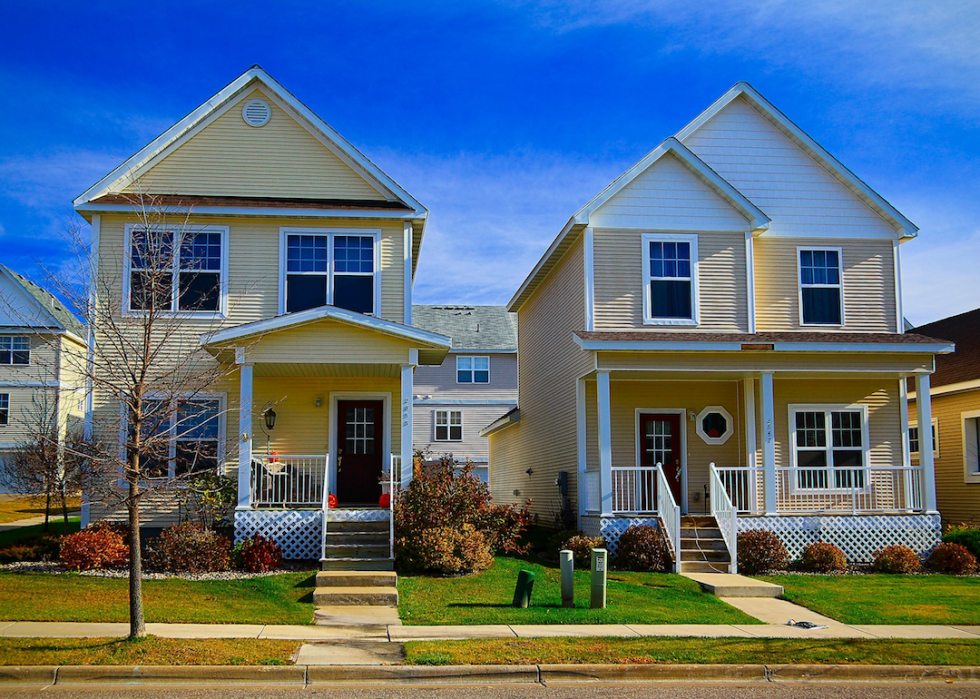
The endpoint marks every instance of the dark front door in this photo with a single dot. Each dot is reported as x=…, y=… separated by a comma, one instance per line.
x=660, y=443
x=360, y=447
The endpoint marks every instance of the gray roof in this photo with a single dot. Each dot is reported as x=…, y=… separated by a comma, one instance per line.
x=49, y=302
x=482, y=328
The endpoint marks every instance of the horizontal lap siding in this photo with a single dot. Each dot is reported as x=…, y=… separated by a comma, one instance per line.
x=440, y=381
x=475, y=418
x=328, y=342
x=765, y=361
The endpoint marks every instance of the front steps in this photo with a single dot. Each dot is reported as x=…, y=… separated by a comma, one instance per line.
x=357, y=569
x=703, y=550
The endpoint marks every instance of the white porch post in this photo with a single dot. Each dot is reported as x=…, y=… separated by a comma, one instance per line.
x=407, y=391
x=768, y=441
x=923, y=406
x=605, y=443
x=244, y=430
x=580, y=438
x=748, y=391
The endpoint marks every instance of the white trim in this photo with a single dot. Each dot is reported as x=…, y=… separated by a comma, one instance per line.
x=465, y=401
x=768, y=405
x=751, y=433
x=34, y=384
x=692, y=240
x=839, y=286
x=472, y=370
x=506, y=420
x=407, y=430
x=725, y=414
x=264, y=212
x=899, y=304
x=589, y=254
x=829, y=468
x=407, y=272
x=638, y=456
x=695, y=346
x=449, y=425
x=913, y=348
x=914, y=424
x=581, y=446
x=923, y=409
x=750, y=279
x=245, y=407
x=604, y=426
x=968, y=476
x=903, y=409
x=477, y=350
x=334, y=397
x=951, y=387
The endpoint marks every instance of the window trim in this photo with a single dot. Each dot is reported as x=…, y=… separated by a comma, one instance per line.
x=828, y=408
x=692, y=239
x=330, y=233
x=914, y=424
x=12, y=350
x=474, y=382
x=5, y=397
x=704, y=435
x=840, y=286
x=222, y=311
x=449, y=425
x=969, y=476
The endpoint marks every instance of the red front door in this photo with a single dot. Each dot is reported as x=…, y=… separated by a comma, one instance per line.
x=660, y=443
x=360, y=451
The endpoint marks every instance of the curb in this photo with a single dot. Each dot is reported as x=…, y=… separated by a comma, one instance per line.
x=324, y=675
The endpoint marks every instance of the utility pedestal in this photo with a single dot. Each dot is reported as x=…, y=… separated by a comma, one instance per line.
x=567, y=562
x=599, y=559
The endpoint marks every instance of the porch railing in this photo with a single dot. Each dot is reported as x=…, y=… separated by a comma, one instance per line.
x=743, y=486
x=634, y=490
x=670, y=516
x=394, y=476
x=288, y=480
x=725, y=514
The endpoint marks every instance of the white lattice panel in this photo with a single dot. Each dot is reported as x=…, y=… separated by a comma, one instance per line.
x=345, y=515
x=298, y=532
x=859, y=537
x=611, y=528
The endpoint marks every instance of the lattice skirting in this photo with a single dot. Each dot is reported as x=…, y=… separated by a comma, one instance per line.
x=357, y=516
x=298, y=532
x=611, y=528
x=858, y=536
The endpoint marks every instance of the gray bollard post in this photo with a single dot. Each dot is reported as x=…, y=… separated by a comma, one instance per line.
x=567, y=562
x=599, y=578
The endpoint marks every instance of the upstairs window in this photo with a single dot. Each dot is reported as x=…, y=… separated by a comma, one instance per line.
x=670, y=279
x=182, y=271
x=330, y=269
x=449, y=425
x=4, y=408
x=820, y=286
x=472, y=369
x=15, y=350
x=306, y=272
x=828, y=448
x=353, y=273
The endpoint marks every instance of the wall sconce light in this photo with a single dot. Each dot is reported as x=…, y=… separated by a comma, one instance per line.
x=692, y=416
x=529, y=471
x=319, y=401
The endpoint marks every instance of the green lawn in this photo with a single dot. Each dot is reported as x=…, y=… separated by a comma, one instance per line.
x=286, y=598
x=57, y=528
x=886, y=599
x=633, y=598
x=146, y=651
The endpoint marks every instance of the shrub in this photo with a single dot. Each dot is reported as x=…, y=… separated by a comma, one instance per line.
x=557, y=539
x=642, y=547
x=448, y=551
x=259, y=554
x=822, y=557
x=188, y=548
x=581, y=548
x=760, y=551
x=94, y=548
x=969, y=538
x=897, y=560
x=953, y=559
x=35, y=548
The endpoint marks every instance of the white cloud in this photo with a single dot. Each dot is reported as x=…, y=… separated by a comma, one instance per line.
x=940, y=276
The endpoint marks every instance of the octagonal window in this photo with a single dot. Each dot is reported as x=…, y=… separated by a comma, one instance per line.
x=715, y=425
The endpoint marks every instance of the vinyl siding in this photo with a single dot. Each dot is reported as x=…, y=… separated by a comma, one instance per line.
x=816, y=362
x=439, y=382
x=868, y=284
x=328, y=342
x=475, y=418
x=619, y=286
x=797, y=193
x=279, y=160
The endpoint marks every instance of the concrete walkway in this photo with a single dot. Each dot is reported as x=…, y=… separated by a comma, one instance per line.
x=400, y=634
x=57, y=522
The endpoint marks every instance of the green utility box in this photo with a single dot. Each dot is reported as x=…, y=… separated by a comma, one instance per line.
x=522, y=593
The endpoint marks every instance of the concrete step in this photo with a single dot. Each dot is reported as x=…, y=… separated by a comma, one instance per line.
x=707, y=544
x=356, y=578
x=354, y=527
x=347, y=596
x=729, y=585
x=703, y=567
x=364, y=564
x=382, y=551
x=711, y=556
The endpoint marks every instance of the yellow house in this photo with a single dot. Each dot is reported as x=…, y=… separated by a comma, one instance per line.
x=310, y=252
x=714, y=344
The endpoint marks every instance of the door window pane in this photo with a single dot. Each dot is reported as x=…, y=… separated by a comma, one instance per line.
x=360, y=431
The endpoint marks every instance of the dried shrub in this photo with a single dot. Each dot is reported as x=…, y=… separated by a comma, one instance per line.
x=642, y=547
x=760, y=551
x=822, y=557
x=581, y=548
x=953, y=559
x=188, y=548
x=259, y=554
x=896, y=560
x=964, y=536
x=35, y=548
x=448, y=551
x=94, y=548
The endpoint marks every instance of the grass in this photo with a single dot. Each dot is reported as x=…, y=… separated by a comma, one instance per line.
x=693, y=650
x=23, y=508
x=146, y=651
x=633, y=598
x=12, y=536
x=286, y=598
x=886, y=599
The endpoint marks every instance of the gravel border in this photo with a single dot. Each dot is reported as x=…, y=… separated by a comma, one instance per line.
x=58, y=569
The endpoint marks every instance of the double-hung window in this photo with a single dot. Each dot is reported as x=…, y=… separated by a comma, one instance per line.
x=177, y=270
x=472, y=369
x=449, y=425
x=15, y=350
x=4, y=408
x=670, y=264
x=914, y=438
x=182, y=441
x=971, y=446
x=334, y=268
x=821, y=298
x=829, y=445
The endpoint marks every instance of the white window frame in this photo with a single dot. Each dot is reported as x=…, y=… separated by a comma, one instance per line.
x=839, y=287
x=969, y=443
x=11, y=338
x=183, y=229
x=690, y=238
x=827, y=409
x=329, y=234
x=448, y=413
x=914, y=425
x=728, y=419
x=473, y=370
x=5, y=409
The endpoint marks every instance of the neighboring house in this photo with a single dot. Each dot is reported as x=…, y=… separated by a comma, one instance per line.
x=955, y=391
x=312, y=252
x=41, y=350
x=726, y=313
x=475, y=386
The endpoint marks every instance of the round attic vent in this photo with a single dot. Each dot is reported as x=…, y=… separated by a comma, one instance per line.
x=256, y=113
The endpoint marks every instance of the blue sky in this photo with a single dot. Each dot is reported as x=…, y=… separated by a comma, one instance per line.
x=504, y=117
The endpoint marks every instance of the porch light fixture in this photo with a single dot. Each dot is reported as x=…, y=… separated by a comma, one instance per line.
x=270, y=419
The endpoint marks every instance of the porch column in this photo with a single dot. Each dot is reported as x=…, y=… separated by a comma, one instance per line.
x=605, y=443
x=768, y=441
x=751, y=437
x=408, y=388
x=580, y=440
x=244, y=430
x=923, y=406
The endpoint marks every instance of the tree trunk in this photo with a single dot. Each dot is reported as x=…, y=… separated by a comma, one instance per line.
x=64, y=508
x=137, y=622
x=47, y=510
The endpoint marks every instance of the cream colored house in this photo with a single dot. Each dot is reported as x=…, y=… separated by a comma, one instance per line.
x=305, y=254
x=719, y=333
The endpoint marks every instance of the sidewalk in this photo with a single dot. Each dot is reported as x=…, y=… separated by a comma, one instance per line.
x=401, y=634
x=57, y=523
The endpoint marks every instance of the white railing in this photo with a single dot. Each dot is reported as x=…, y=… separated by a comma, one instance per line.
x=394, y=476
x=725, y=513
x=324, y=508
x=593, y=496
x=670, y=516
x=850, y=490
x=288, y=480
x=634, y=490
x=743, y=485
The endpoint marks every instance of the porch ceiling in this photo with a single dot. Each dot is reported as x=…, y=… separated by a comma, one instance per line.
x=746, y=363
x=269, y=369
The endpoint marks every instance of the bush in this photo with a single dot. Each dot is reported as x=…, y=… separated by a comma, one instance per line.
x=642, y=547
x=896, y=560
x=448, y=551
x=969, y=538
x=188, y=548
x=581, y=548
x=94, y=548
x=760, y=551
x=259, y=554
x=953, y=559
x=35, y=548
x=822, y=558
x=557, y=539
